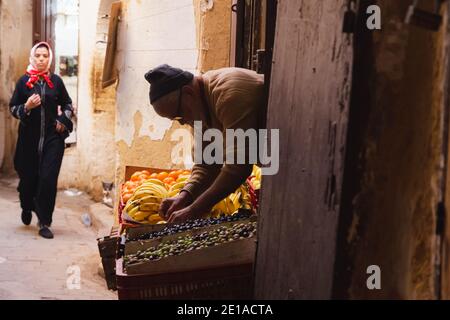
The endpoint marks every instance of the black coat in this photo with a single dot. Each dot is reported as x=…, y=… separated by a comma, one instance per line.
x=39, y=125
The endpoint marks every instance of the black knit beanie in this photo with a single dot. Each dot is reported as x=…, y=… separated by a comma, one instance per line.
x=165, y=79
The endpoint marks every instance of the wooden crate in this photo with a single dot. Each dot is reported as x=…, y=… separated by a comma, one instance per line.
x=224, y=271
x=107, y=247
x=134, y=246
x=235, y=252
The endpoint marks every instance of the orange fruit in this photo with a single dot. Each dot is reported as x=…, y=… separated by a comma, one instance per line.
x=168, y=180
x=174, y=175
x=135, y=178
x=126, y=197
x=154, y=176
x=136, y=174
x=162, y=175
x=146, y=172
x=186, y=172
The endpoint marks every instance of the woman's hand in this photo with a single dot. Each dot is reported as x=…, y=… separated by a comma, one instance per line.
x=33, y=102
x=60, y=128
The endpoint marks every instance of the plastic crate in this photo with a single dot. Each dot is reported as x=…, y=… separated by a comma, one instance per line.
x=232, y=282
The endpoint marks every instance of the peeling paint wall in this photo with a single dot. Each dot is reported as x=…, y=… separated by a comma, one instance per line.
x=152, y=33
x=14, y=28
x=394, y=211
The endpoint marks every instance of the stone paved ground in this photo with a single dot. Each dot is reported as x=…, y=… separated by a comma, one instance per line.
x=35, y=268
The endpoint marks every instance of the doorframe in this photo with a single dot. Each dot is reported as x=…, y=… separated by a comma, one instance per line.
x=442, y=261
x=354, y=165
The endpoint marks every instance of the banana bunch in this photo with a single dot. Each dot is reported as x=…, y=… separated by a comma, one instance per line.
x=145, y=202
x=178, y=186
x=183, y=177
x=232, y=203
x=175, y=189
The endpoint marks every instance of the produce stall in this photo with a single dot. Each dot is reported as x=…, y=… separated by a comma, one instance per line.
x=206, y=258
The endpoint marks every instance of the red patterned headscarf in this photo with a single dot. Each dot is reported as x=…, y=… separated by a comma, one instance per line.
x=32, y=70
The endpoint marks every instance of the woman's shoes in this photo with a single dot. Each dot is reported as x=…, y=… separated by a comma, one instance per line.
x=45, y=232
x=26, y=217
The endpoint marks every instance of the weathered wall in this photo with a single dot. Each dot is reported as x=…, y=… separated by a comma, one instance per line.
x=92, y=160
x=213, y=19
x=149, y=35
x=15, y=27
x=393, y=218
x=153, y=33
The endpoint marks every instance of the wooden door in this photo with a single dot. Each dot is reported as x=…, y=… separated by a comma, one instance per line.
x=308, y=103
x=443, y=214
x=250, y=25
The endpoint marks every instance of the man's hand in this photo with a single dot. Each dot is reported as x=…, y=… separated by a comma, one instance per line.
x=190, y=212
x=33, y=102
x=170, y=205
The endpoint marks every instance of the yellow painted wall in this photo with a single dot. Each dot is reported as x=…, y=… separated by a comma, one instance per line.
x=213, y=33
x=15, y=27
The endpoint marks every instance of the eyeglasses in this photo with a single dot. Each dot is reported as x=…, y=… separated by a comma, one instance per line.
x=178, y=116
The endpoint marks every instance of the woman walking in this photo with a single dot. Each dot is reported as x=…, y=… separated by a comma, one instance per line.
x=44, y=108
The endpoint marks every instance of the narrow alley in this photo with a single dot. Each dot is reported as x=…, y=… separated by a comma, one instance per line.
x=38, y=269
x=225, y=150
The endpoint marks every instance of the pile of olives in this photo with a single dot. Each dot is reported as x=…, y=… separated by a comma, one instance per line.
x=189, y=242
x=192, y=224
